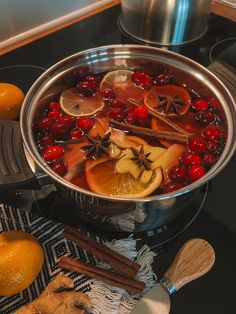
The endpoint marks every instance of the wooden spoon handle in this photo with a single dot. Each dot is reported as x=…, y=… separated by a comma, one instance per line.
x=194, y=259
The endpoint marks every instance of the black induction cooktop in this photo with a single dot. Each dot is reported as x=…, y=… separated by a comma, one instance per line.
x=216, y=222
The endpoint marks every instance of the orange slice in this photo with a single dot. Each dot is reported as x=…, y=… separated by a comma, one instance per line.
x=104, y=180
x=77, y=105
x=121, y=83
x=152, y=100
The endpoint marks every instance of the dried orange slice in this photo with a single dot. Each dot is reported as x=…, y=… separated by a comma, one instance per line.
x=104, y=180
x=158, y=98
x=121, y=83
x=77, y=105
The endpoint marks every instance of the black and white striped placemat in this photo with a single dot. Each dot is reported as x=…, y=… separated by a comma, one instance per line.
x=49, y=234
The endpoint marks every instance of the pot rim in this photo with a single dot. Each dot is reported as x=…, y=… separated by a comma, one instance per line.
x=221, y=163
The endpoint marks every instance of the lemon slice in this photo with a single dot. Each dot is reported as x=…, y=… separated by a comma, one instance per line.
x=121, y=83
x=104, y=180
x=116, y=78
x=77, y=105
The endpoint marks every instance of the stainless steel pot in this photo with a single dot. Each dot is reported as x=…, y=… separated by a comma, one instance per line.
x=165, y=22
x=111, y=212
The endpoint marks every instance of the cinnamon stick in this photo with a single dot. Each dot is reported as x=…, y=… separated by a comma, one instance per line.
x=161, y=135
x=117, y=261
x=160, y=117
x=131, y=285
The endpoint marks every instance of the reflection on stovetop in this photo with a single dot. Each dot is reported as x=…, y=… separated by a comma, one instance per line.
x=60, y=207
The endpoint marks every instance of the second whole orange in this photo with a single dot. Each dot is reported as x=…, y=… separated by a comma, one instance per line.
x=21, y=259
x=11, y=99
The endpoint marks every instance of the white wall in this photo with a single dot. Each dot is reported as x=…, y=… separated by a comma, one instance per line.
x=20, y=19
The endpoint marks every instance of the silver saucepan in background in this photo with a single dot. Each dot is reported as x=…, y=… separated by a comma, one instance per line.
x=165, y=22
x=111, y=212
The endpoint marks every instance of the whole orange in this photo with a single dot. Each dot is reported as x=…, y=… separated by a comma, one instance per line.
x=11, y=99
x=21, y=259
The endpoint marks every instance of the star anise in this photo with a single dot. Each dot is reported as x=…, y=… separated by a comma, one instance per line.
x=98, y=145
x=170, y=104
x=140, y=158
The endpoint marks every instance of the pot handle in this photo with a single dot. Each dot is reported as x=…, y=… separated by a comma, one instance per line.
x=226, y=73
x=15, y=171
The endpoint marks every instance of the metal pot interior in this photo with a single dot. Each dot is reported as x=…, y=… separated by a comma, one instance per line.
x=104, y=59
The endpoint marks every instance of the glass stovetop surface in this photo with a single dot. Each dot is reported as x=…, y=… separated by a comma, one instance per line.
x=217, y=220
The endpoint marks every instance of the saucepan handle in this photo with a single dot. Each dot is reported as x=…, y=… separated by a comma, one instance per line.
x=226, y=73
x=15, y=171
x=194, y=259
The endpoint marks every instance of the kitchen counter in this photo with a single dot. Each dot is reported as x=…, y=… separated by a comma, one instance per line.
x=226, y=11
x=34, y=34
x=215, y=292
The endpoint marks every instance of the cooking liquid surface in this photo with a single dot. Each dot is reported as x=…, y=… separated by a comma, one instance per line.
x=107, y=133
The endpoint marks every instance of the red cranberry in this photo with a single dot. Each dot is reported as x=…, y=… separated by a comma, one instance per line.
x=45, y=124
x=211, y=132
x=66, y=121
x=205, y=117
x=130, y=119
x=108, y=93
x=60, y=132
x=200, y=104
x=221, y=118
x=93, y=79
x=116, y=103
x=214, y=104
x=59, y=167
x=142, y=79
x=190, y=159
x=163, y=78
x=53, y=152
x=117, y=114
x=76, y=134
x=209, y=159
x=129, y=111
x=54, y=114
x=195, y=172
x=212, y=147
x=141, y=113
x=173, y=186
x=54, y=105
x=196, y=144
x=178, y=173
x=85, y=123
x=46, y=140
x=87, y=89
